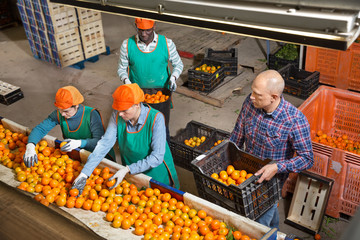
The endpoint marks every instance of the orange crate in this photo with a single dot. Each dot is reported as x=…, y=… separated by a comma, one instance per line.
x=335, y=112
x=337, y=68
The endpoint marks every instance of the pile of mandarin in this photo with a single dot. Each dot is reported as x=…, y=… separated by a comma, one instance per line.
x=159, y=97
x=146, y=212
x=231, y=176
x=341, y=142
x=207, y=68
x=217, y=143
x=194, y=141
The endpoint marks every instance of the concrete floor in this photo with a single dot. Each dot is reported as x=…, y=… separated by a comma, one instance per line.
x=40, y=80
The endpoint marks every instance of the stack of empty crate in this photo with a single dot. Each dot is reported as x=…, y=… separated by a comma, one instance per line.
x=53, y=32
x=91, y=31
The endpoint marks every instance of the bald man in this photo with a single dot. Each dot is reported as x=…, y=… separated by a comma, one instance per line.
x=272, y=128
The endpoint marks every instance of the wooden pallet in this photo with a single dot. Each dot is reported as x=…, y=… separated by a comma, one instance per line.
x=250, y=63
x=231, y=85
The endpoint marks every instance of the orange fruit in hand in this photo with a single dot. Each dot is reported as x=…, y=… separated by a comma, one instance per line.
x=62, y=144
x=74, y=192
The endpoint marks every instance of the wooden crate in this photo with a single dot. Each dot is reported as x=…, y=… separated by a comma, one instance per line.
x=94, y=47
x=66, y=39
x=91, y=31
x=93, y=41
x=60, y=22
x=53, y=8
x=70, y=56
x=86, y=16
x=9, y=93
x=309, y=202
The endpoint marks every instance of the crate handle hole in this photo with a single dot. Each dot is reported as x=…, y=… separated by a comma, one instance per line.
x=306, y=195
x=312, y=214
x=317, y=200
x=310, y=180
x=302, y=210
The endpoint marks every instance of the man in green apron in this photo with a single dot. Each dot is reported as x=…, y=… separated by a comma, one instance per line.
x=144, y=59
x=140, y=132
x=81, y=126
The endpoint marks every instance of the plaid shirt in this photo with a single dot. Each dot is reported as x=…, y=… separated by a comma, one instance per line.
x=275, y=136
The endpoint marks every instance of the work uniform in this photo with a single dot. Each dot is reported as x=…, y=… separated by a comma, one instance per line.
x=143, y=147
x=147, y=65
x=154, y=75
x=86, y=125
x=137, y=145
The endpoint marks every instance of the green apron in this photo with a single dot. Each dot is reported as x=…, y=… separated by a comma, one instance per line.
x=149, y=70
x=135, y=146
x=83, y=131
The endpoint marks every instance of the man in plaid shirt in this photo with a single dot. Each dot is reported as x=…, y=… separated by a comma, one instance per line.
x=270, y=127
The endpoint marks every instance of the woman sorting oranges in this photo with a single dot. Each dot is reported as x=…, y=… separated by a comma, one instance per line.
x=140, y=132
x=81, y=126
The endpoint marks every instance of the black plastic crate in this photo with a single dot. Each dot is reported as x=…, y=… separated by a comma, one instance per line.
x=249, y=199
x=184, y=154
x=204, y=81
x=163, y=107
x=218, y=135
x=9, y=93
x=298, y=82
x=276, y=62
x=228, y=58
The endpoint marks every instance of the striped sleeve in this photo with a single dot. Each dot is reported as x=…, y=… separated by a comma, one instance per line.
x=175, y=59
x=123, y=61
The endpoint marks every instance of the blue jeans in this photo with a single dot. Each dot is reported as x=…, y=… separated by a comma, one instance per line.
x=270, y=218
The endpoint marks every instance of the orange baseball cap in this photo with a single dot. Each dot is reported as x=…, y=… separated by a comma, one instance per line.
x=68, y=96
x=127, y=95
x=142, y=23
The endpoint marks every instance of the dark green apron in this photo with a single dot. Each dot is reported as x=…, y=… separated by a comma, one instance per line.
x=83, y=131
x=149, y=70
x=135, y=146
